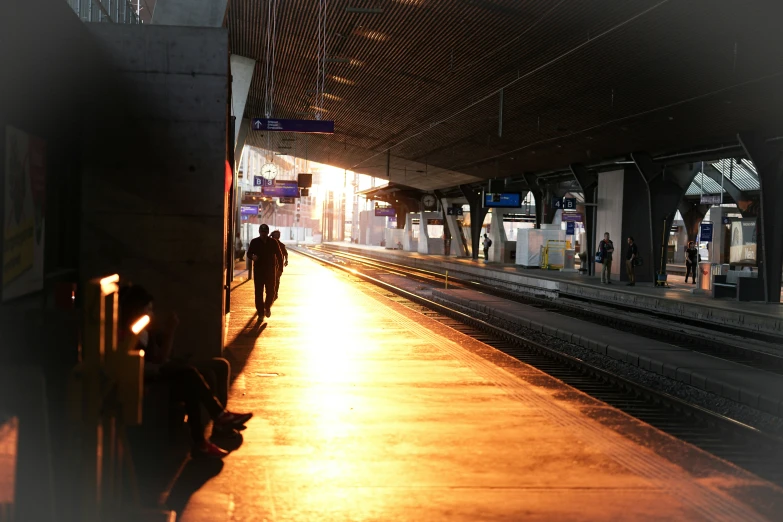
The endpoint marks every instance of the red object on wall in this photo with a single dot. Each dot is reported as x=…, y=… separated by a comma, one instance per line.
x=229, y=176
x=64, y=295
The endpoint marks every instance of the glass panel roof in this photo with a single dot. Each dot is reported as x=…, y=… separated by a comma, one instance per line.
x=742, y=174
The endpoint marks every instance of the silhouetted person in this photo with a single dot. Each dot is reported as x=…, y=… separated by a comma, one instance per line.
x=691, y=261
x=283, y=250
x=267, y=261
x=606, y=250
x=199, y=384
x=630, y=261
x=487, y=243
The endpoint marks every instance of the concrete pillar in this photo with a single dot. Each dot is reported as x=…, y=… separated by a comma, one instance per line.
x=424, y=236
x=588, y=181
x=407, y=238
x=768, y=161
x=455, y=228
x=158, y=216
x=192, y=13
x=241, y=76
x=501, y=246
x=241, y=138
x=477, y=215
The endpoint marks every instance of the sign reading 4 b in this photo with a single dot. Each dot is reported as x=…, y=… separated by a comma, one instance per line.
x=564, y=203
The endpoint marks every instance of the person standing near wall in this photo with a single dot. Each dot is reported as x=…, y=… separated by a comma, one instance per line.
x=267, y=260
x=630, y=261
x=691, y=261
x=487, y=243
x=606, y=249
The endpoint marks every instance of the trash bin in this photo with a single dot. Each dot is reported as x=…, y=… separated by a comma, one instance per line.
x=705, y=275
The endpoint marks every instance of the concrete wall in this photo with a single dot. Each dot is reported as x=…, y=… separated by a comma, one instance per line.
x=610, y=213
x=636, y=223
x=154, y=194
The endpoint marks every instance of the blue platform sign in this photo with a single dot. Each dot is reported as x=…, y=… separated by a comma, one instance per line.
x=569, y=203
x=248, y=210
x=557, y=203
x=282, y=189
x=705, y=233
x=385, y=211
x=570, y=228
x=502, y=200
x=315, y=126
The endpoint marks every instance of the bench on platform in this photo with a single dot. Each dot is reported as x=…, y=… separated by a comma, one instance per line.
x=739, y=285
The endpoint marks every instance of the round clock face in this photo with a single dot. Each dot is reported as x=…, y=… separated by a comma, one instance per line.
x=429, y=200
x=269, y=171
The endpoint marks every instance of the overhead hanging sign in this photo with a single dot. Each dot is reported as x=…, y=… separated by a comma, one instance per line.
x=282, y=189
x=248, y=210
x=287, y=200
x=502, y=200
x=313, y=126
x=454, y=211
x=575, y=217
x=707, y=199
x=385, y=211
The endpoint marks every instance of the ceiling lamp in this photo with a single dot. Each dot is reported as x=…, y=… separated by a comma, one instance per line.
x=340, y=79
x=338, y=60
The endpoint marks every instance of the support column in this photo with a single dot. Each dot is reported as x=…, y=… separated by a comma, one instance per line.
x=455, y=229
x=477, y=215
x=241, y=138
x=588, y=181
x=665, y=190
x=424, y=236
x=692, y=215
x=768, y=161
x=497, y=233
x=241, y=76
x=407, y=239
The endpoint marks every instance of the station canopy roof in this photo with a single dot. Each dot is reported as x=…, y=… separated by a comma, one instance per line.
x=414, y=86
x=742, y=174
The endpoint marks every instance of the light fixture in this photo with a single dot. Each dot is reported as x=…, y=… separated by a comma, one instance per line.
x=139, y=325
x=332, y=97
x=340, y=79
x=317, y=109
x=372, y=35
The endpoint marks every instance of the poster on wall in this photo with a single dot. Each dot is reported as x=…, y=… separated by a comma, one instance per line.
x=743, y=241
x=23, y=216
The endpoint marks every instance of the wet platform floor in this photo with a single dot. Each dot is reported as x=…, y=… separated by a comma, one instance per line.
x=366, y=410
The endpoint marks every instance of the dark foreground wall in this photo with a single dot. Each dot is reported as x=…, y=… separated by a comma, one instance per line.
x=154, y=186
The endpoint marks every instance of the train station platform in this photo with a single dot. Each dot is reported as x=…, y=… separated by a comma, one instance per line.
x=677, y=301
x=368, y=410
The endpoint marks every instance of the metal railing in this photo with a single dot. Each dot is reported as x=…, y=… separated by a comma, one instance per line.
x=114, y=11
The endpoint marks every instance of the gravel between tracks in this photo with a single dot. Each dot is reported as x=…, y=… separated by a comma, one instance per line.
x=745, y=414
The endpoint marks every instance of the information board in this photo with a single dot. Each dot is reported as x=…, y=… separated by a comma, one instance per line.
x=705, y=232
x=248, y=210
x=570, y=228
x=282, y=189
x=385, y=211
x=576, y=217
x=502, y=200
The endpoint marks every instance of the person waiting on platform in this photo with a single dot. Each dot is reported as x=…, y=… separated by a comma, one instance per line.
x=198, y=384
x=283, y=250
x=239, y=251
x=267, y=262
x=692, y=259
x=487, y=244
x=605, y=252
x=630, y=261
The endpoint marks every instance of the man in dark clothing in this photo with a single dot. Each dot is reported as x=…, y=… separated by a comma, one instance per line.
x=630, y=261
x=198, y=384
x=691, y=261
x=267, y=262
x=606, y=248
x=283, y=250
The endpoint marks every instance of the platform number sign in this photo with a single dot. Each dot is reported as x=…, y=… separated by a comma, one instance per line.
x=705, y=233
x=564, y=203
x=258, y=181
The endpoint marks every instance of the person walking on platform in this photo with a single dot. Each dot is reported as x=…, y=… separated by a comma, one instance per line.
x=605, y=251
x=276, y=236
x=691, y=261
x=198, y=384
x=267, y=262
x=487, y=244
x=630, y=261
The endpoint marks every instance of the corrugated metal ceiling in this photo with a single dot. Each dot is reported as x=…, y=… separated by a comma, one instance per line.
x=584, y=80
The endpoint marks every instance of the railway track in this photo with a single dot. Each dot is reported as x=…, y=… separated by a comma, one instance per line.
x=742, y=445
x=668, y=331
